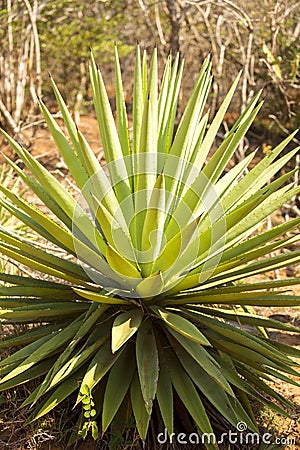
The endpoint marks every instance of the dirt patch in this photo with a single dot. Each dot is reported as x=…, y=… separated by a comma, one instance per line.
x=44, y=147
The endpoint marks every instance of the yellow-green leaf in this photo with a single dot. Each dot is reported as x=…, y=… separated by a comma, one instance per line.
x=181, y=325
x=124, y=327
x=147, y=363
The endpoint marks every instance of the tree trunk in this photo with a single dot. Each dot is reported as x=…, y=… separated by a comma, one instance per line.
x=175, y=22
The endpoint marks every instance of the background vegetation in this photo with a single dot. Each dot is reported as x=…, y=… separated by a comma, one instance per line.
x=260, y=37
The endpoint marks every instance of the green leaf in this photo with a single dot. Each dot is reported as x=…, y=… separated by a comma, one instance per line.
x=213, y=392
x=30, y=281
x=44, y=195
x=258, y=240
x=121, y=266
x=63, y=391
x=259, y=175
x=153, y=94
x=181, y=325
x=115, y=231
x=50, y=346
x=49, y=260
x=246, y=355
x=37, y=371
x=99, y=366
x=226, y=183
x=118, y=383
x=219, y=160
x=240, y=287
x=138, y=103
x=100, y=298
x=73, y=133
x=60, y=237
x=214, y=127
x=72, y=161
x=176, y=247
x=153, y=226
x=61, y=196
x=42, y=312
x=164, y=393
x=189, y=396
x=95, y=432
x=27, y=337
x=38, y=221
x=147, y=363
x=168, y=109
x=124, y=327
x=233, y=333
x=243, y=318
x=26, y=351
x=110, y=139
x=267, y=264
x=69, y=361
x=98, y=183
x=181, y=147
x=269, y=205
x=142, y=418
x=121, y=108
x=192, y=112
x=144, y=74
x=232, y=376
x=64, y=293
x=146, y=162
x=151, y=286
x=253, y=377
x=204, y=359
x=165, y=86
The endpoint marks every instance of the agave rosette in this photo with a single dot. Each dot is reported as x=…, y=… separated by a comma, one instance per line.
x=147, y=298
